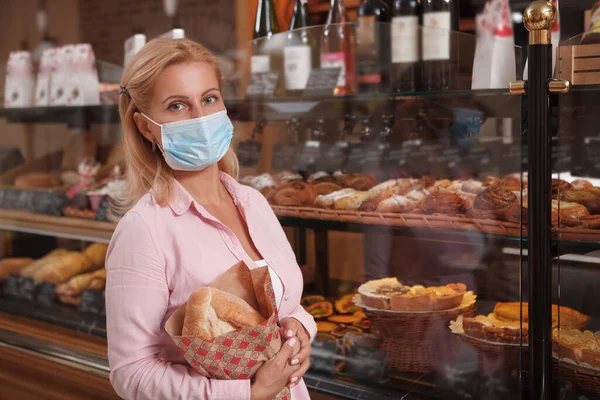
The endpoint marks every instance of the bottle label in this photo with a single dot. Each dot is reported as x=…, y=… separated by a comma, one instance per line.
x=259, y=64
x=297, y=61
x=368, y=62
x=436, y=35
x=405, y=39
x=335, y=60
x=366, y=32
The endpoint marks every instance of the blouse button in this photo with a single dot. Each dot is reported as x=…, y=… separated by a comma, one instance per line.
x=286, y=297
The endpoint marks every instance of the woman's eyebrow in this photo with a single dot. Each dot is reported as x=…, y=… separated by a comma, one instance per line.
x=208, y=91
x=177, y=96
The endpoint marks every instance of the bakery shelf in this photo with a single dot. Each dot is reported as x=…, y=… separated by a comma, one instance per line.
x=73, y=116
x=63, y=227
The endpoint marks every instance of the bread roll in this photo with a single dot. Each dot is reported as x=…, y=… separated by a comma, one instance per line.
x=581, y=184
x=588, y=198
x=358, y=181
x=328, y=200
x=326, y=185
x=90, y=281
x=295, y=193
x=37, y=180
x=403, y=204
x=31, y=269
x=13, y=266
x=445, y=203
x=559, y=186
x=97, y=253
x=211, y=313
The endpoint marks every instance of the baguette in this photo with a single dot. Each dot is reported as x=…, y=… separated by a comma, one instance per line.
x=76, y=285
x=211, y=313
x=30, y=270
x=13, y=266
x=62, y=268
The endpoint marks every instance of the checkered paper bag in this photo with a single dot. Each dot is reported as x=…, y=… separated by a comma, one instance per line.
x=240, y=353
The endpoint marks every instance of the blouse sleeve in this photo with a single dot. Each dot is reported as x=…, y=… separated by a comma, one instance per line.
x=137, y=297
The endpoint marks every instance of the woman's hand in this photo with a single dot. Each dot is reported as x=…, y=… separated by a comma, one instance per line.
x=289, y=328
x=275, y=374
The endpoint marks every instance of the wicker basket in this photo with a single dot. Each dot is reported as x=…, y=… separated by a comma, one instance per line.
x=417, y=342
x=510, y=354
x=585, y=379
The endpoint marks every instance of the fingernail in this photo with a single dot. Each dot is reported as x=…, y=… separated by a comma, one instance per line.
x=289, y=333
x=294, y=379
x=292, y=342
x=295, y=361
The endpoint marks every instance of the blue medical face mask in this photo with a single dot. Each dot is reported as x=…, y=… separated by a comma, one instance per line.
x=194, y=144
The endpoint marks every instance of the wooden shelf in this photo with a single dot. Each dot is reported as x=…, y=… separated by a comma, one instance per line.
x=63, y=227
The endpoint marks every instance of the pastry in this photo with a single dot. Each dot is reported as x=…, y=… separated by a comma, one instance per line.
x=31, y=269
x=426, y=181
x=295, y=193
x=377, y=293
x=318, y=175
x=354, y=201
x=581, y=184
x=511, y=182
x=97, y=253
x=438, y=186
x=589, y=198
x=37, y=180
x=64, y=267
x=403, y=204
x=312, y=299
x=343, y=330
x=344, y=319
x=559, y=186
x=13, y=266
x=328, y=200
x=76, y=285
x=286, y=177
x=568, y=214
x=211, y=313
x=326, y=326
x=445, y=203
x=326, y=185
x=373, y=204
x=362, y=339
x=473, y=187
x=581, y=347
x=345, y=305
x=569, y=318
x=421, y=298
x=321, y=309
x=364, y=324
x=491, y=329
x=493, y=202
x=358, y=181
x=264, y=183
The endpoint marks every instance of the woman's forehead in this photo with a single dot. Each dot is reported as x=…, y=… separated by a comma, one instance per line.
x=186, y=78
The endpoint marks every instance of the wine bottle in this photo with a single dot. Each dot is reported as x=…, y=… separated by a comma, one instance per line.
x=372, y=65
x=265, y=27
x=299, y=53
x=593, y=35
x=405, y=44
x=440, y=17
x=337, y=48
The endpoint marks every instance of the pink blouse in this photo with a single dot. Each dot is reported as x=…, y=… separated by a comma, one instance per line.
x=157, y=257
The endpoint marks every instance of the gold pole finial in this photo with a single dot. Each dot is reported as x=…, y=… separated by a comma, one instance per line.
x=539, y=18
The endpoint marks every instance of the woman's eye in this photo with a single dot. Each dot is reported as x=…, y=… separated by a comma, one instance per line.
x=176, y=107
x=210, y=100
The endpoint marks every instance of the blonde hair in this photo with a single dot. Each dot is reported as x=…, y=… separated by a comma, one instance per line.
x=146, y=170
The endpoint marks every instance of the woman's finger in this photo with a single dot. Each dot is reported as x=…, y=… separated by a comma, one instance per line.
x=295, y=378
x=301, y=356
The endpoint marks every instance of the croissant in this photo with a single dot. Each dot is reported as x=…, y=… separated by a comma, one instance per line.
x=492, y=203
x=445, y=203
x=295, y=193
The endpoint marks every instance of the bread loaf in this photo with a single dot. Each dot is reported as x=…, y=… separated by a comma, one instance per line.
x=62, y=268
x=295, y=193
x=211, y=313
x=13, y=266
x=31, y=269
x=37, y=180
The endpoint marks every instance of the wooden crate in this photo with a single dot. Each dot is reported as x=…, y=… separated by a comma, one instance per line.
x=580, y=64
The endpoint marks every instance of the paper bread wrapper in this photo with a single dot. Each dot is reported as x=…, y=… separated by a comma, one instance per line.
x=240, y=353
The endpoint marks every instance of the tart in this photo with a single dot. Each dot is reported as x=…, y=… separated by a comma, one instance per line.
x=569, y=318
x=581, y=347
x=321, y=309
x=326, y=326
x=434, y=298
x=342, y=330
x=377, y=293
x=312, y=299
x=345, y=305
x=344, y=319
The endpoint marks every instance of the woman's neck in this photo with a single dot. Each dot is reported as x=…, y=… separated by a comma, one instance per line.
x=204, y=186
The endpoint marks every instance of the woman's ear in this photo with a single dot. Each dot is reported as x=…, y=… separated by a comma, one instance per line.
x=143, y=126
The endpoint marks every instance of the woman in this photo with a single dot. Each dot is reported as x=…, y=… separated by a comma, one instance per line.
x=190, y=222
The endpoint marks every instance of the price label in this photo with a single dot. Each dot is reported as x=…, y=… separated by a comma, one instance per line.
x=366, y=364
x=284, y=157
x=92, y=301
x=46, y=294
x=322, y=357
x=248, y=153
x=322, y=82
x=262, y=84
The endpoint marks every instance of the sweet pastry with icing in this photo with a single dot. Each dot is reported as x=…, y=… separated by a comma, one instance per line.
x=403, y=203
x=328, y=200
x=378, y=293
x=421, y=298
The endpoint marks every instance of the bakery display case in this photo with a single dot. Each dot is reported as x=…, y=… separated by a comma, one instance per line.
x=436, y=246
